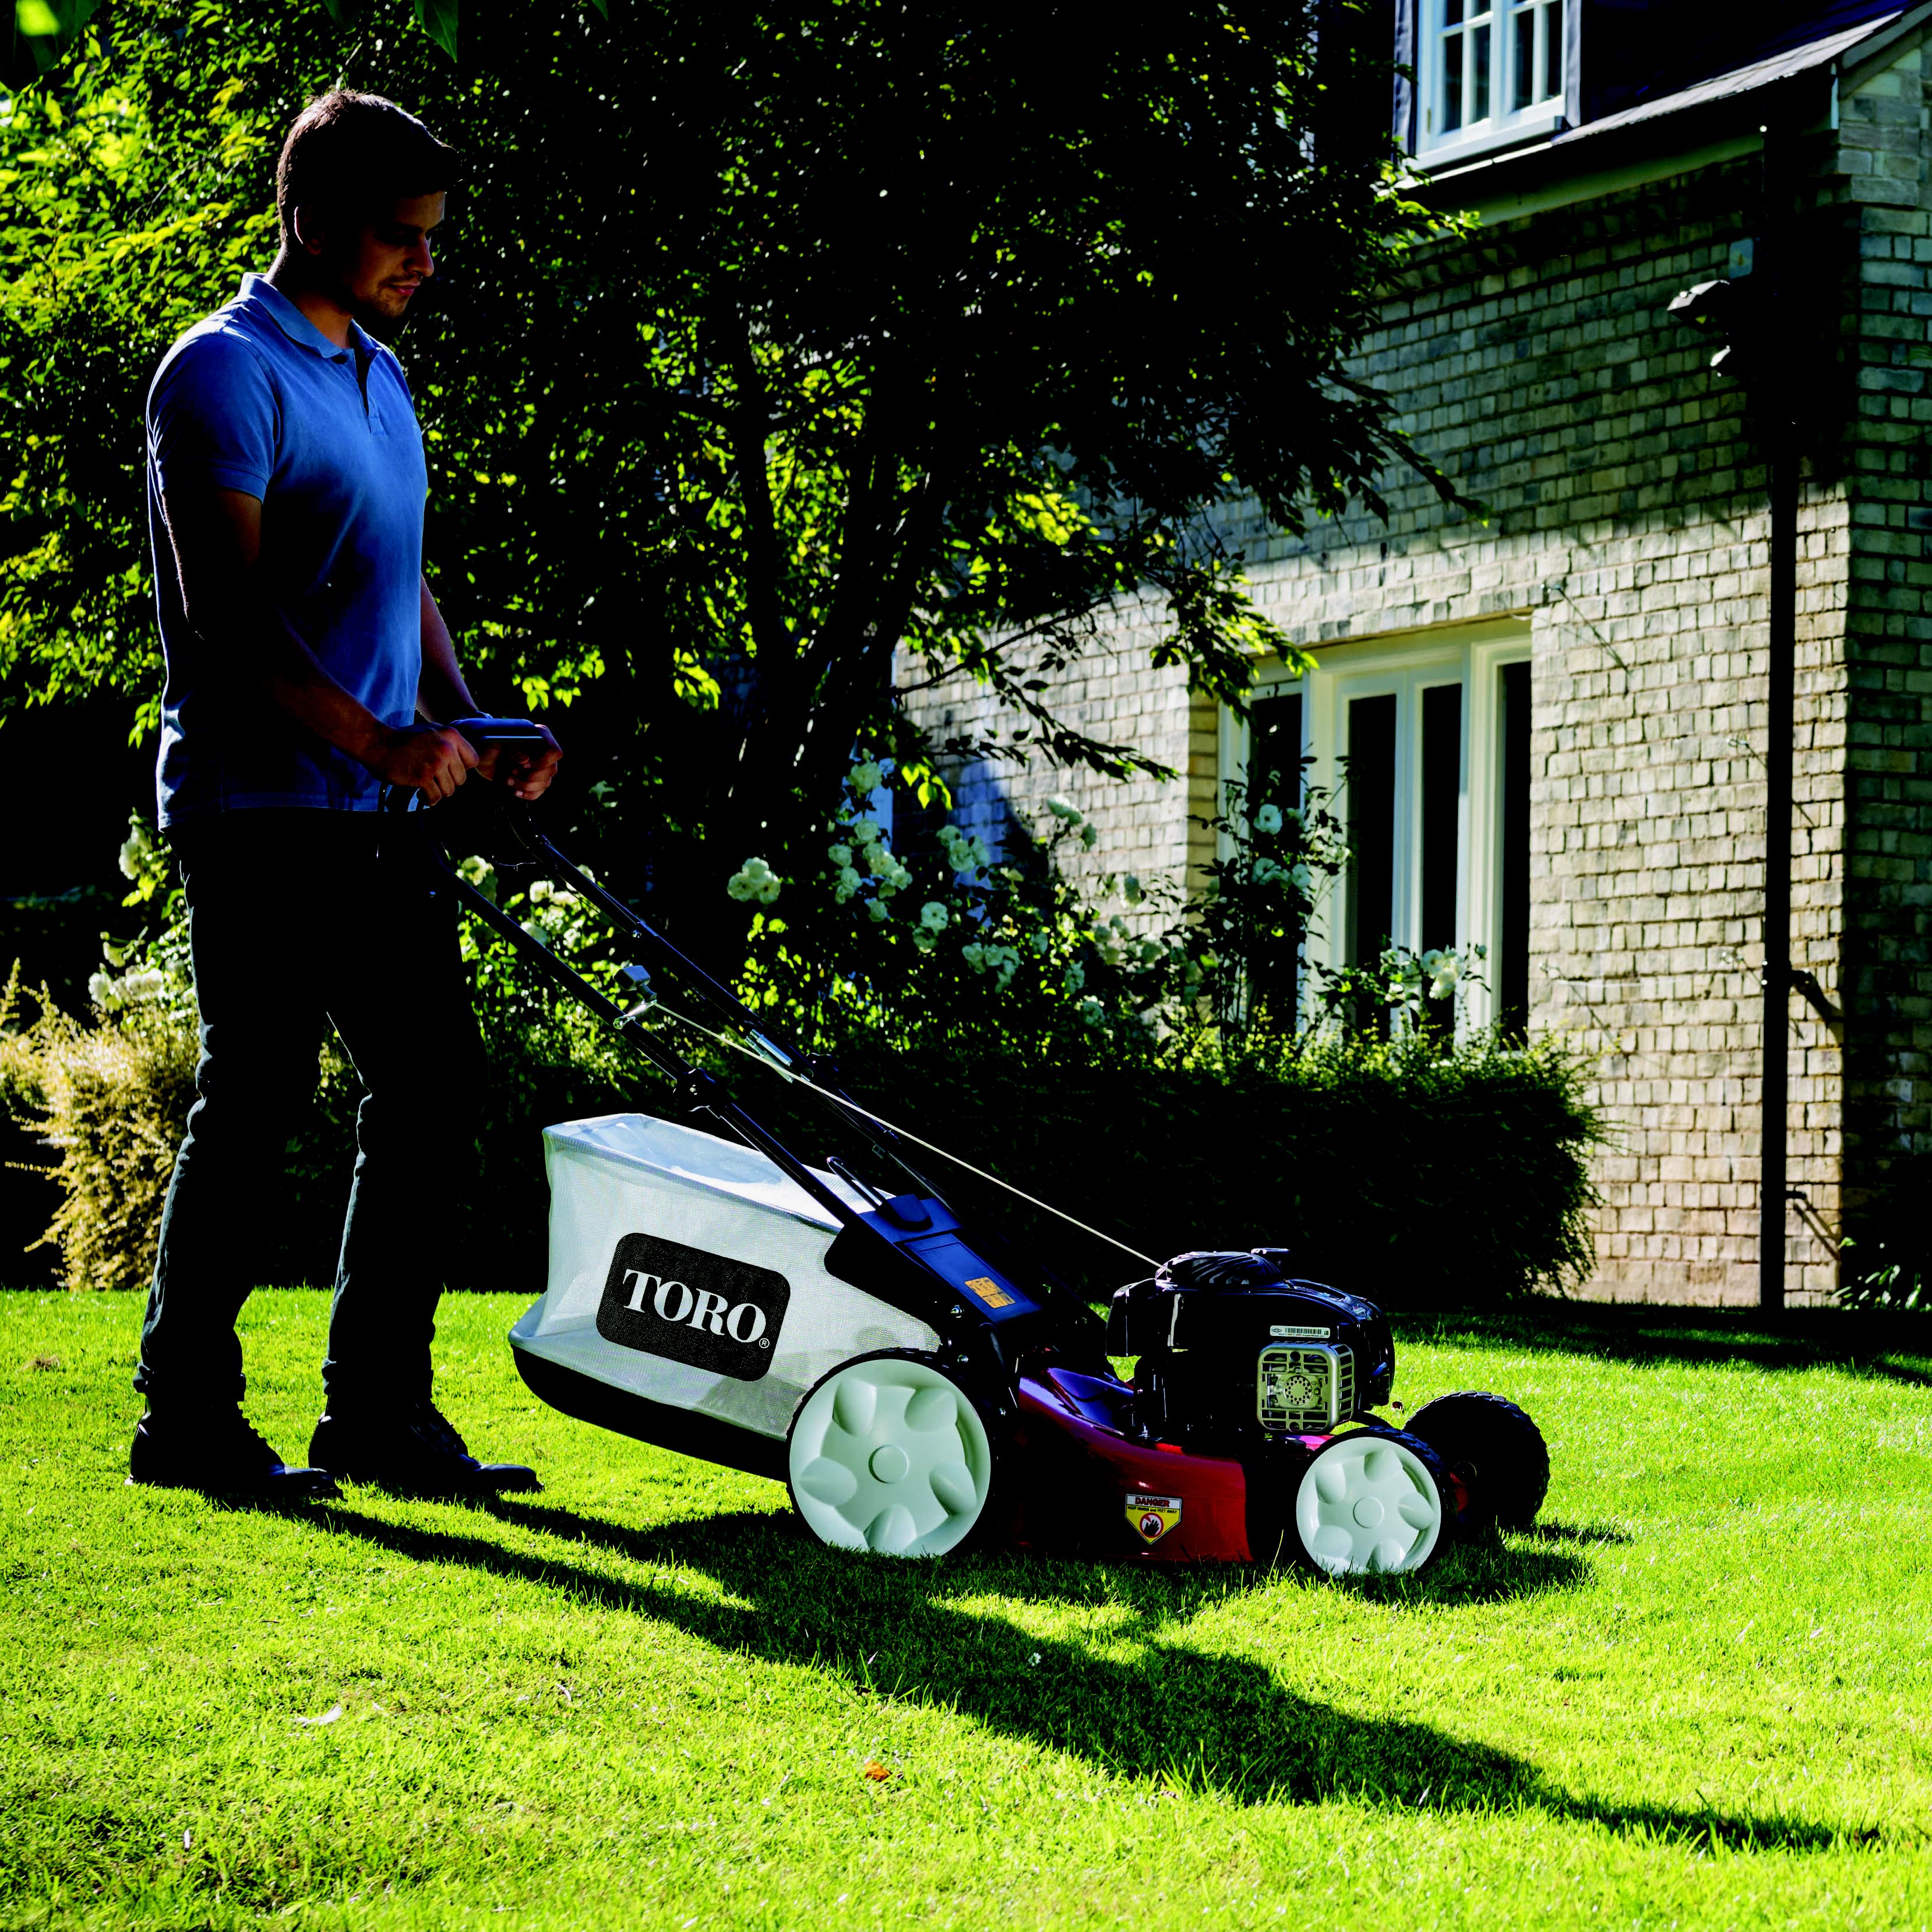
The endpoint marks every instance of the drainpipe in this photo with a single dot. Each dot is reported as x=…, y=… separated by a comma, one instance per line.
x=1777, y=374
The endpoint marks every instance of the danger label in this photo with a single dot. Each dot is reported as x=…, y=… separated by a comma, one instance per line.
x=1152, y=1516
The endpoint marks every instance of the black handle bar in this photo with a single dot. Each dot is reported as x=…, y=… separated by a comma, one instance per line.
x=482, y=733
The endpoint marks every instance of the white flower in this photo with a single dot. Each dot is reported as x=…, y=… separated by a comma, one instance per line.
x=148, y=984
x=933, y=915
x=1268, y=819
x=840, y=855
x=866, y=777
x=1304, y=878
x=1074, y=977
x=880, y=860
x=103, y=992
x=866, y=832
x=849, y=881
x=1091, y=1010
x=537, y=932
x=974, y=955
x=136, y=849
x=754, y=879
x=900, y=877
x=923, y=939
x=876, y=910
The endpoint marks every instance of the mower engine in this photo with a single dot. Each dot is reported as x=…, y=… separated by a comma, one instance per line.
x=1234, y=1352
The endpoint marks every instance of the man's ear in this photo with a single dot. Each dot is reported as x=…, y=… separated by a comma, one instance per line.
x=311, y=235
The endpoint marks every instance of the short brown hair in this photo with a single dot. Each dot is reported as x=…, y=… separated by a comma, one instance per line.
x=348, y=153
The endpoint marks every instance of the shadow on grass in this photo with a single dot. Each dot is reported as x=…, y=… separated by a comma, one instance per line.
x=1154, y=1708
x=1583, y=1535
x=1894, y=1348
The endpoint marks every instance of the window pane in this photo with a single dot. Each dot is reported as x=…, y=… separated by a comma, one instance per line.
x=1552, y=51
x=1452, y=13
x=1522, y=68
x=1452, y=82
x=1275, y=777
x=1479, y=75
x=1509, y=973
x=1441, y=811
x=1274, y=750
x=1371, y=816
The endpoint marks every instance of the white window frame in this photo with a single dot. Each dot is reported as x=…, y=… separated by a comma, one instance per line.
x=1406, y=665
x=1501, y=126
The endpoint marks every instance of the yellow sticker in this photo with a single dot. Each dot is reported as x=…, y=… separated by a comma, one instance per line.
x=1152, y=1517
x=990, y=1292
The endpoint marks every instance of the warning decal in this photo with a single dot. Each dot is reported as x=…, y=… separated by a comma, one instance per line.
x=990, y=1292
x=1152, y=1517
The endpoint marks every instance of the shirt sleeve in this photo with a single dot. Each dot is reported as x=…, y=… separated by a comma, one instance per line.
x=214, y=418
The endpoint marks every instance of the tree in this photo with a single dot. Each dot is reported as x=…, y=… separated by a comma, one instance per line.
x=766, y=341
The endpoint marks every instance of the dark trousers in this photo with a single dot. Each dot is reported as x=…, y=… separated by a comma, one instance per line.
x=297, y=919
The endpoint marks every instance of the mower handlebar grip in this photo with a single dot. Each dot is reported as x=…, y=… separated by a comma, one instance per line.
x=481, y=733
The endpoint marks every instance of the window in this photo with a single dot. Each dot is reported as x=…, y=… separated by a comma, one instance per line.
x=1426, y=742
x=1489, y=71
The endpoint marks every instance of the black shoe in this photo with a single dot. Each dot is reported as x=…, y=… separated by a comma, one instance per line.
x=410, y=1449
x=220, y=1454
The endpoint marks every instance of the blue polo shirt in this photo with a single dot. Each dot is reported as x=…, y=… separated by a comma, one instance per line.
x=256, y=398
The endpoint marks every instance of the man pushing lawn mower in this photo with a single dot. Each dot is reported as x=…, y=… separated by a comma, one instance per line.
x=307, y=670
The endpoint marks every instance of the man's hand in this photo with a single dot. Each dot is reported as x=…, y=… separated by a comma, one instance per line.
x=525, y=771
x=430, y=759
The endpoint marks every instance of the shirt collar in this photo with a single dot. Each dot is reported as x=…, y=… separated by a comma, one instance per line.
x=263, y=294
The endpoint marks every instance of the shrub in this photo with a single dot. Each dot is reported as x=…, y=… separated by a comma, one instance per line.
x=1415, y=1168
x=1417, y=1177
x=110, y=1100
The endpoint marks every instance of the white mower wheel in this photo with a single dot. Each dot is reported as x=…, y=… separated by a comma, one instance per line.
x=889, y=1454
x=1370, y=1504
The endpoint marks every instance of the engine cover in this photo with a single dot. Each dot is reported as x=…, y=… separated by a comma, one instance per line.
x=1233, y=1348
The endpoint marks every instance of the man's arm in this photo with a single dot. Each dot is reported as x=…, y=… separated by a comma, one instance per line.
x=216, y=534
x=441, y=693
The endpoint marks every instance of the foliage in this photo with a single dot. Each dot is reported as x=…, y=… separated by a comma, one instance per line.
x=643, y=1697
x=1413, y=1169
x=1417, y=1177
x=110, y=1098
x=891, y=327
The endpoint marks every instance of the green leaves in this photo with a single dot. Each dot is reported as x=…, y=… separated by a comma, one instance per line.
x=760, y=350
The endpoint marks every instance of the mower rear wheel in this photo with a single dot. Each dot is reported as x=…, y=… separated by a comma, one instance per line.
x=1371, y=1502
x=1495, y=1449
x=889, y=1454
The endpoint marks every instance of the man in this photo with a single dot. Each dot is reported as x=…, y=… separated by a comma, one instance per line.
x=306, y=669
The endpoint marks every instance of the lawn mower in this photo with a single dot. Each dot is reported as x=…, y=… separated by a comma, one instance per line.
x=920, y=1382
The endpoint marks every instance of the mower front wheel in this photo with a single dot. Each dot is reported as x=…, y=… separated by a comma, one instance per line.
x=1371, y=1502
x=889, y=1454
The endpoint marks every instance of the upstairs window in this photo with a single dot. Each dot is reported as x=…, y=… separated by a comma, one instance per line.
x=1490, y=71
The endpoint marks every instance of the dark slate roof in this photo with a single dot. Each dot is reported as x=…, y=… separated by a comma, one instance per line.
x=1636, y=53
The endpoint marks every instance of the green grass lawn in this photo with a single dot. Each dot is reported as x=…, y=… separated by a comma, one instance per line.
x=1699, y=1694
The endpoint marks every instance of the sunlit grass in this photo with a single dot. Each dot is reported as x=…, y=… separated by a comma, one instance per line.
x=1698, y=1695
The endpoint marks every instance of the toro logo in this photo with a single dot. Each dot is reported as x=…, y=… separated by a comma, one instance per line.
x=713, y=1312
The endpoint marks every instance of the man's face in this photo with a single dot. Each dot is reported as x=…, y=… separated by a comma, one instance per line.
x=378, y=266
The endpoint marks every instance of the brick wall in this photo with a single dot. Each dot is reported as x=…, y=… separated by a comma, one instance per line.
x=1888, y=973
x=1628, y=527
